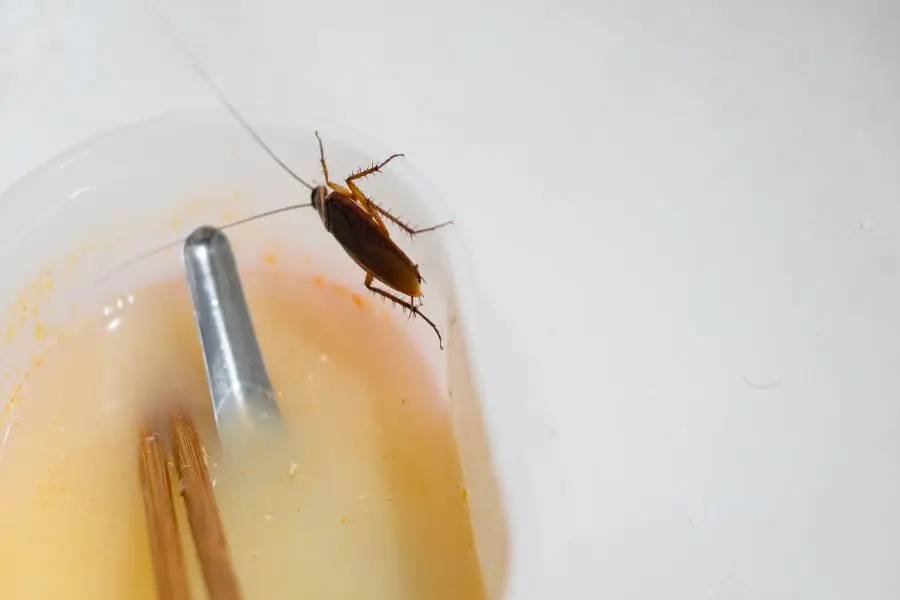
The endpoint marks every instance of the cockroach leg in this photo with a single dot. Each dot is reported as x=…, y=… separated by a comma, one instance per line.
x=377, y=212
x=335, y=186
x=410, y=230
x=373, y=169
x=369, y=206
x=372, y=208
x=322, y=156
x=408, y=306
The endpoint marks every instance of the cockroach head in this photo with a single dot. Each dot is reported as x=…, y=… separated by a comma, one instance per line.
x=317, y=198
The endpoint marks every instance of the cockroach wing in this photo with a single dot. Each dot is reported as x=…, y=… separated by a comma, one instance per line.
x=370, y=247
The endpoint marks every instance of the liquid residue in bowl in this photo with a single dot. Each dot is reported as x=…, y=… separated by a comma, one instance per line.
x=368, y=501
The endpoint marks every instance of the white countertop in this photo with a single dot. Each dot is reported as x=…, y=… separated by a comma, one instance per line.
x=673, y=206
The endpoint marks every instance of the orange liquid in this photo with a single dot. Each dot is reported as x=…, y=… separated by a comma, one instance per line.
x=366, y=501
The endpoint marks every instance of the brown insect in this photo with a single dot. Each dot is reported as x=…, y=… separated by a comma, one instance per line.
x=356, y=223
x=353, y=219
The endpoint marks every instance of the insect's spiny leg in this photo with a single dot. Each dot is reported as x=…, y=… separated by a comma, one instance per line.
x=367, y=204
x=432, y=228
x=373, y=169
x=322, y=156
x=405, y=226
x=368, y=283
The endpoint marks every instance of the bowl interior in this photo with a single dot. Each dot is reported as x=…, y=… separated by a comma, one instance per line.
x=68, y=224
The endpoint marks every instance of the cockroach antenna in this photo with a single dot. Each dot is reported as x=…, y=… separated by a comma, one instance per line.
x=180, y=241
x=202, y=74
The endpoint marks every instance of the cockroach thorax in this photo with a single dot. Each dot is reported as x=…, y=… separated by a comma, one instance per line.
x=317, y=198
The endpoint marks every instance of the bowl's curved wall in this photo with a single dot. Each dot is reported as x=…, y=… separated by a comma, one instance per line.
x=67, y=224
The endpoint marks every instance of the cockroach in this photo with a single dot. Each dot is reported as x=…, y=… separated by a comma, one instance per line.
x=355, y=221
x=351, y=217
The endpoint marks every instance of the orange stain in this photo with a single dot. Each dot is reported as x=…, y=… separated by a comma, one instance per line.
x=357, y=300
x=270, y=258
x=319, y=280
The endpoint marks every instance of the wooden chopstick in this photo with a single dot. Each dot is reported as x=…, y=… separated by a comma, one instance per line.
x=162, y=527
x=203, y=514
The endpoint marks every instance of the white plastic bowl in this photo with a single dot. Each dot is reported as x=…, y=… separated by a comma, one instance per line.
x=146, y=184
